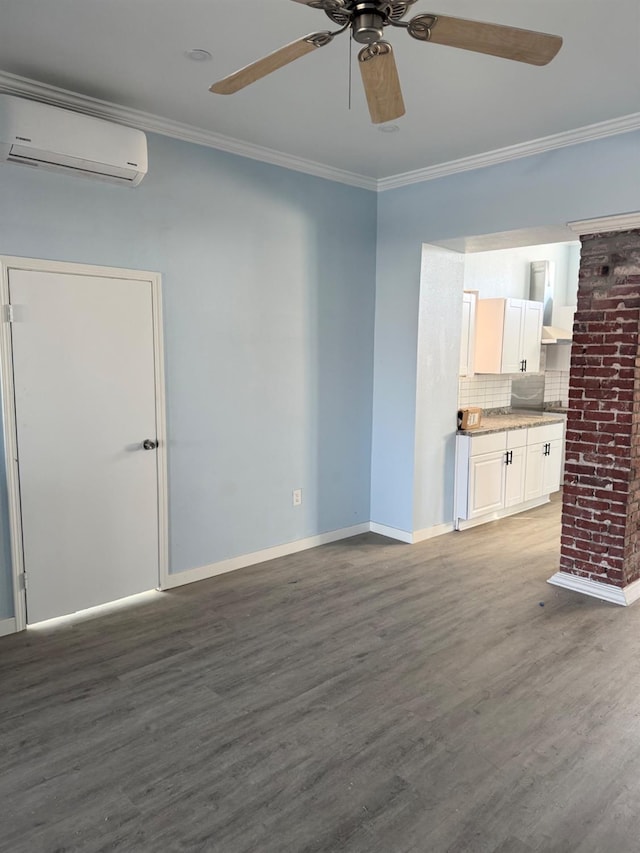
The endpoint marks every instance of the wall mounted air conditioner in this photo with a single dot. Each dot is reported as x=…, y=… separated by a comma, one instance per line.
x=35, y=134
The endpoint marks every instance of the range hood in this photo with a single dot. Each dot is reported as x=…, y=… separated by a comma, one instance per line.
x=541, y=289
x=554, y=335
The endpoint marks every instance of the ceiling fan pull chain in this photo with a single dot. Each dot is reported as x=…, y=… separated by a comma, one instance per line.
x=350, y=70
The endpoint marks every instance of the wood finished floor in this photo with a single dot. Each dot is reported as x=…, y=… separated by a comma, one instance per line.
x=366, y=697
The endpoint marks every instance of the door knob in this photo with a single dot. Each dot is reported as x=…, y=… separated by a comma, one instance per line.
x=149, y=444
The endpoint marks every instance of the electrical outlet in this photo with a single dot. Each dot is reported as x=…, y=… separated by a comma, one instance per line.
x=297, y=497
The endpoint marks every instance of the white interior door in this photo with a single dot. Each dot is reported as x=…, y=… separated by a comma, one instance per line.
x=84, y=379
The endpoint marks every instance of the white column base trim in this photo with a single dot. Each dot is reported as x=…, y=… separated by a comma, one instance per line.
x=407, y=536
x=245, y=560
x=597, y=589
x=432, y=532
x=465, y=524
x=7, y=626
x=391, y=532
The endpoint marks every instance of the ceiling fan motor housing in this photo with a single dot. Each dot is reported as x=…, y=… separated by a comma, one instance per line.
x=366, y=18
x=367, y=26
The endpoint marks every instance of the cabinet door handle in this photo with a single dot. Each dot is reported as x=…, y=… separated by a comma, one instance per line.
x=522, y=366
x=524, y=369
x=509, y=457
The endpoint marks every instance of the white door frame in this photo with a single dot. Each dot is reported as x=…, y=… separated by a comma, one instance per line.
x=8, y=263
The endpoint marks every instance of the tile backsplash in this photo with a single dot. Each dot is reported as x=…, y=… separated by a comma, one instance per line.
x=556, y=386
x=491, y=391
x=485, y=390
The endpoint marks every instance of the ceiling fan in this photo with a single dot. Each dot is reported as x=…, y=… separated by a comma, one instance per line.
x=367, y=20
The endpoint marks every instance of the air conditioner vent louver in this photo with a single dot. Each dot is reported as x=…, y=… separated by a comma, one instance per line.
x=36, y=157
x=35, y=134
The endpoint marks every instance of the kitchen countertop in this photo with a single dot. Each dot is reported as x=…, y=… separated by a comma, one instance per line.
x=512, y=420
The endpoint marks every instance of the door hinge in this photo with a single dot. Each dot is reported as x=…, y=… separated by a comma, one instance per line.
x=22, y=581
x=8, y=313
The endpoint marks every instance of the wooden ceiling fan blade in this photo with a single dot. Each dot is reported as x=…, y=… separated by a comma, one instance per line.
x=322, y=4
x=381, y=82
x=279, y=58
x=494, y=39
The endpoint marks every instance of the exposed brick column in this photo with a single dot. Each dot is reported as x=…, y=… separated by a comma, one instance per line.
x=601, y=500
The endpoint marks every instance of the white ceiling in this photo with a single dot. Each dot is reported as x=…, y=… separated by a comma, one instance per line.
x=459, y=104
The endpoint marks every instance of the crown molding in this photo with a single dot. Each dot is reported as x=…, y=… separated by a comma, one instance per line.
x=622, y=222
x=13, y=84
x=513, y=152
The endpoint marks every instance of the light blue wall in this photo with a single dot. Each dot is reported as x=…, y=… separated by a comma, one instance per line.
x=269, y=287
x=584, y=181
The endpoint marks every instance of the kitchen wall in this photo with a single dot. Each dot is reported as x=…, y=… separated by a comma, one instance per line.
x=485, y=390
x=494, y=392
x=506, y=273
x=269, y=287
x=412, y=490
x=490, y=391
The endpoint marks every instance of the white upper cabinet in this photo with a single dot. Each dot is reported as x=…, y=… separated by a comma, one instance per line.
x=532, y=335
x=467, y=340
x=508, y=336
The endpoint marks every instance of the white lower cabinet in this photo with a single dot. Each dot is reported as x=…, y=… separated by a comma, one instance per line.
x=486, y=483
x=545, y=452
x=500, y=473
x=515, y=474
x=496, y=472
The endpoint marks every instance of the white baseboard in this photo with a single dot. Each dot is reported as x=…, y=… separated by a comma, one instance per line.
x=407, y=536
x=7, y=626
x=465, y=524
x=597, y=589
x=431, y=532
x=245, y=560
x=391, y=532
